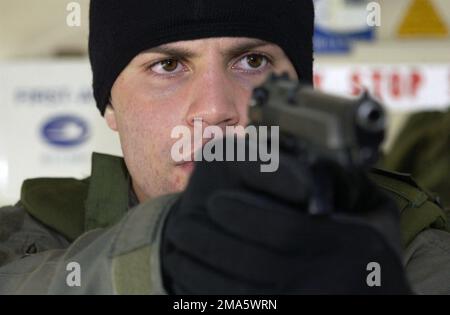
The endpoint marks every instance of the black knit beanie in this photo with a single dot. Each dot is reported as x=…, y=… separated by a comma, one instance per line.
x=121, y=29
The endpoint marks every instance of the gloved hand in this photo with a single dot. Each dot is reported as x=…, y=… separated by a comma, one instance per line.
x=236, y=230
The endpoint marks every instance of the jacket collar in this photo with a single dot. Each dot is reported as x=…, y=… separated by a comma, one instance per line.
x=109, y=190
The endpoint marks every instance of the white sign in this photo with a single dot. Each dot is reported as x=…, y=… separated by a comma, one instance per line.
x=49, y=125
x=400, y=87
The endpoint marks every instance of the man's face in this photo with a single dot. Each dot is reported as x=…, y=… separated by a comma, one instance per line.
x=173, y=85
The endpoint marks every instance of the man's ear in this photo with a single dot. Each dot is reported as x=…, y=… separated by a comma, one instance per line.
x=110, y=117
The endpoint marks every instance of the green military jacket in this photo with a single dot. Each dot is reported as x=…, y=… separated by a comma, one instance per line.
x=97, y=224
x=422, y=148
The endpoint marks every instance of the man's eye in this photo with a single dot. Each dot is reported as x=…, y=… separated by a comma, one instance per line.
x=252, y=62
x=167, y=66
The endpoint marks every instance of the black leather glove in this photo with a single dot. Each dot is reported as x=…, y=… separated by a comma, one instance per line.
x=236, y=230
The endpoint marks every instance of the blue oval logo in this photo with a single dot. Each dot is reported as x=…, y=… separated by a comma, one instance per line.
x=65, y=131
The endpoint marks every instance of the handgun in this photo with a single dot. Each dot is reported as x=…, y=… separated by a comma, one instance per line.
x=320, y=126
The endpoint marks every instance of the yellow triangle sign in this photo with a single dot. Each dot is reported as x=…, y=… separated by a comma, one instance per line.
x=422, y=20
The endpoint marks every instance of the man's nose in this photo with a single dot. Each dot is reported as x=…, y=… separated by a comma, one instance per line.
x=212, y=100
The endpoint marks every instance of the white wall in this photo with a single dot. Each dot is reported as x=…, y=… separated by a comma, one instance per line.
x=38, y=28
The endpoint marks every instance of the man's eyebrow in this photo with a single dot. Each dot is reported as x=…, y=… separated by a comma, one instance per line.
x=174, y=52
x=243, y=47
x=185, y=53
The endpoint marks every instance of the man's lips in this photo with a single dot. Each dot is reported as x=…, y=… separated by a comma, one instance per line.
x=190, y=157
x=187, y=166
